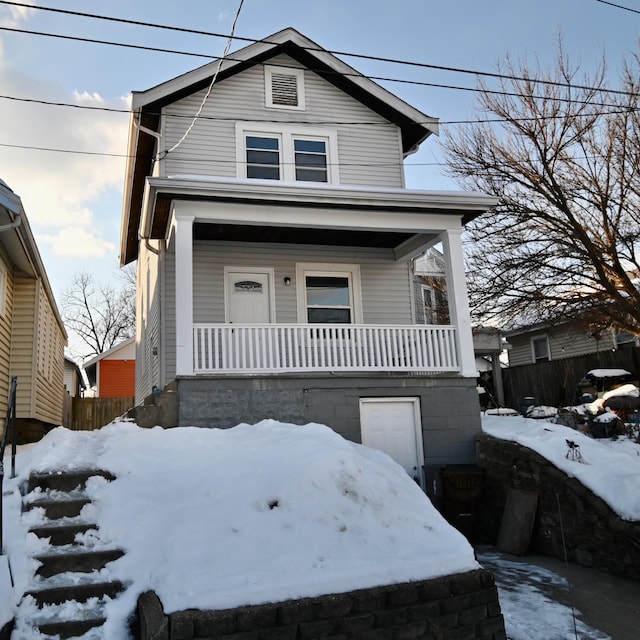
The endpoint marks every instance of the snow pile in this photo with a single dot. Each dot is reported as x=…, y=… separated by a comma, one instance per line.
x=612, y=469
x=217, y=518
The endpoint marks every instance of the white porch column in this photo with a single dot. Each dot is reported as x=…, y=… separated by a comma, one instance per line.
x=184, y=293
x=458, y=300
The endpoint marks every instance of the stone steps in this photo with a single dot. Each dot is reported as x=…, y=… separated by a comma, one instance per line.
x=57, y=592
x=71, y=585
x=75, y=560
x=62, y=533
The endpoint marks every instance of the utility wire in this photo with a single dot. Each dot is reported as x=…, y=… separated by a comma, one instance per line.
x=614, y=111
x=213, y=80
x=474, y=72
x=618, y=6
x=358, y=75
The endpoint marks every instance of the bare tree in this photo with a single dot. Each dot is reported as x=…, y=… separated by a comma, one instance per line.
x=99, y=316
x=563, y=155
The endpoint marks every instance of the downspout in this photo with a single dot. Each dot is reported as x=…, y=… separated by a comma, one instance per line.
x=156, y=135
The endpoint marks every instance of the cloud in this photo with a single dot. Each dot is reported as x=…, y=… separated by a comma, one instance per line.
x=61, y=160
x=12, y=16
x=77, y=242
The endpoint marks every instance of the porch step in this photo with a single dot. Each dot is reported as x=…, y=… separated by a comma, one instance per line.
x=56, y=507
x=75, y=561
x=62, y=533
x=55, y=623
x=71, y=585
x=65, y=481
x=57, y=591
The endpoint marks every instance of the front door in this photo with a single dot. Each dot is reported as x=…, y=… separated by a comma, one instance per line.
x=393, y=425
x=248, y=296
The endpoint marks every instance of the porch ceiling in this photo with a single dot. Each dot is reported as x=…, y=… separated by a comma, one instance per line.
x=289, y=235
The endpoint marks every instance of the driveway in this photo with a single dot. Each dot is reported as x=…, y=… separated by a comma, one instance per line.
x=542, y=598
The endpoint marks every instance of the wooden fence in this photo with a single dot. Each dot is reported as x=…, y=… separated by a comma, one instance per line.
x=87, y=414
x=555, y=383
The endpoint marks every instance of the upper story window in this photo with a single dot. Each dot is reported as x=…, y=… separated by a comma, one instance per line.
x=284, y=88
x=294, y=154
x=263, y=157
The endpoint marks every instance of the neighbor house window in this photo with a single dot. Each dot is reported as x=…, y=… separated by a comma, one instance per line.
x=284, y=152
x=329, y=294
x=540, y=348
x=284, y=88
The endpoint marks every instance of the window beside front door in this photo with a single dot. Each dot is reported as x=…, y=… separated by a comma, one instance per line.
x=328, y=299
x=329, y=294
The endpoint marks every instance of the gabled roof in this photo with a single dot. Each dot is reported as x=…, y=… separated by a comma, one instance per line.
x=110, y=352
x=414, y=125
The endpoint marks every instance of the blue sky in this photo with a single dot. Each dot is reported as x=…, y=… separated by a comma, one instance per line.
x=74, y=201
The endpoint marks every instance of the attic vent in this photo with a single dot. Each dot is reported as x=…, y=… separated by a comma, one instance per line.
x=284, y=89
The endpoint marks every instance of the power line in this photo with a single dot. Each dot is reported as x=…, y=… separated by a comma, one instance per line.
x=614, y=111
x=618, y=6
x=71, y=151
x=474, y=72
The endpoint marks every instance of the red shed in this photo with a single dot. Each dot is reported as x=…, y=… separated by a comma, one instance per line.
x=113, y=373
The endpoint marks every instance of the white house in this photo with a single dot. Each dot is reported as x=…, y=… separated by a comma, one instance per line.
x=274, y=237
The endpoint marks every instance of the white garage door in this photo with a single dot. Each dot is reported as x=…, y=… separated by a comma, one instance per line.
x=393, y=425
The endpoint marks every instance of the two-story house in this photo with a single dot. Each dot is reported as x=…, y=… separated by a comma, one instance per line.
x=275, y=241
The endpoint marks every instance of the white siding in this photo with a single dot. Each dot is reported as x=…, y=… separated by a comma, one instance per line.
x=169, y=316
x=385, y=283
x=369, y=147
x=147, y=324
x=565, y=341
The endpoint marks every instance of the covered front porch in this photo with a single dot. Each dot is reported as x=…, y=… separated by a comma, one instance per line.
x=283, y=240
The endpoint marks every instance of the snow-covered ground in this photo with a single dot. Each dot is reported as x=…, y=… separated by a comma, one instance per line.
x=610, y=468
x=216, y=518
x=275, y=511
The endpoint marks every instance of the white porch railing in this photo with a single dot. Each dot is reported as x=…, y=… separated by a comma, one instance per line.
x=251, y=348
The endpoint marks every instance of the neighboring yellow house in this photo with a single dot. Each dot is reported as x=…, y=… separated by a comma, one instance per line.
x=32, y=336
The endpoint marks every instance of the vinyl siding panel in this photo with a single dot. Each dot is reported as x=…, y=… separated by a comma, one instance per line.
x=148, y=318
x=5, y=342
x=24, y=344
x=384, y=282
x=169, y=316
x=565, y=341
x=369, y=147
x=49, y=388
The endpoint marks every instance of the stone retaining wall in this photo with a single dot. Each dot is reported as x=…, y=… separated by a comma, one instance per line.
x=594, y=535
x=458, y=607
